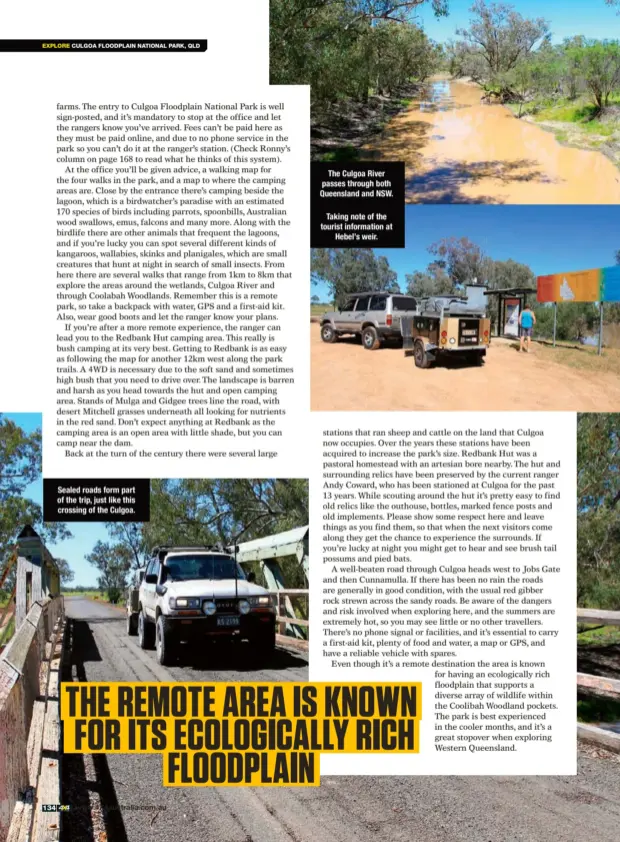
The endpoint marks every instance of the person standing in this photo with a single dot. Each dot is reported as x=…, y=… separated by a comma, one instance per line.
x=527, y=320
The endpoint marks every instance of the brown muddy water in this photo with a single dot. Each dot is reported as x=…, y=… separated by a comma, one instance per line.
x=457, y=149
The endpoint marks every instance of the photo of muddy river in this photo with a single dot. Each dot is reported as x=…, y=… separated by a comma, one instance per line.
x=458, y=149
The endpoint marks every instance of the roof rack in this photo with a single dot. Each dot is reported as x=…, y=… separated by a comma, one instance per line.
x=166, y=548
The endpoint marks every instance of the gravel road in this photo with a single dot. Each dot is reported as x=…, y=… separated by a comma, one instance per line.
x=120, y=797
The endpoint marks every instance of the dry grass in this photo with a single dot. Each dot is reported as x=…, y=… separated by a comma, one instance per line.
x=317, y=310
x=581, y=357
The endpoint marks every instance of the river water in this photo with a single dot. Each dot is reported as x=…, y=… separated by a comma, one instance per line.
x=457, y=149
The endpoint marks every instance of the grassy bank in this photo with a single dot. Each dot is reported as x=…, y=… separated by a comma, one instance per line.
x=577, y=123
x=598, y=652
x=605, y=636
x=101, y=596
x=339, y=131
x=582, y=357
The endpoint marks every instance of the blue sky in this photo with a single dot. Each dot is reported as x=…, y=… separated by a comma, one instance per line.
x=592, y=18
x=85, y=535
x=548, y=238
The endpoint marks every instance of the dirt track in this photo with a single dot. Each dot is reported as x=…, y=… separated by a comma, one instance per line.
x=346, y=377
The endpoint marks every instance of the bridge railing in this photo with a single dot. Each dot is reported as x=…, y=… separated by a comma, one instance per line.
x=607, y=686
x=26, y=711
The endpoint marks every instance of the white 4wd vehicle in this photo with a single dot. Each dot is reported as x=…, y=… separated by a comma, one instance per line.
x=192, y=593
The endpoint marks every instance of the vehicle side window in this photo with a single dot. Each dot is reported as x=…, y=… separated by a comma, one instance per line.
x=156, y=568
x=399, y=302
x=362, y=303
x=149, y=568
x=350, y=304
x=377, y=302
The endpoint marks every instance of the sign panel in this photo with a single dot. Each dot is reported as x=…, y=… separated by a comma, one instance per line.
x=570, y=286
x=610, y=284
x=589, y=285
x=511, y=317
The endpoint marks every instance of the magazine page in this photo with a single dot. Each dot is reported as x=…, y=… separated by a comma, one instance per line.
x=270, y=574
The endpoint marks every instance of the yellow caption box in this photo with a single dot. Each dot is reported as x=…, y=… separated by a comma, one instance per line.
x=240, y=734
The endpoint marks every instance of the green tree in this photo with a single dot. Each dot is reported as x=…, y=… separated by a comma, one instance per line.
x=342, y=48
x=347, y=271
x=200, y=512
x=463, y=261
x=501, y=36
x=433, y=281
x=66, y=573
x=599, y=64
x=20, y=465
x=598, y=510
x=113, y=563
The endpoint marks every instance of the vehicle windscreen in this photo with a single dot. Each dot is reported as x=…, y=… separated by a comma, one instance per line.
x=401, y=302
x=184, y=568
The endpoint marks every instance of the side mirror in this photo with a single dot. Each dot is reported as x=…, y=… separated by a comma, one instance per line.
x=160, y=590
x=251, y=577
x=150, y=579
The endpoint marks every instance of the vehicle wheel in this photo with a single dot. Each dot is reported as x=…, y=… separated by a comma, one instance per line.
x=145, y=632
x=479, y=359
x=132, y=624
x=370, y=340
x=164, y=647
x=328, y=334
x=420, y=356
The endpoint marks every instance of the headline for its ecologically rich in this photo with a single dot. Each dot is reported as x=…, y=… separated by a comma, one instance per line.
x=229, y=734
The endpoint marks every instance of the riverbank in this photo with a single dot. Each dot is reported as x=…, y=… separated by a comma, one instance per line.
x=339, y=132
x=576, y=123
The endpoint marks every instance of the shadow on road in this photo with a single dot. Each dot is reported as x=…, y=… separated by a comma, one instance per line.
x=444, y=183
x=239, y=657
x=599, y=660
x=76, y=787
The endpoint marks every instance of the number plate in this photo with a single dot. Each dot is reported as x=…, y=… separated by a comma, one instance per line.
x=227, y=621
x=470, y=333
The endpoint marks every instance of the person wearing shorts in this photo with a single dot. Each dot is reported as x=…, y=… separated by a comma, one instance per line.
x=527, y=320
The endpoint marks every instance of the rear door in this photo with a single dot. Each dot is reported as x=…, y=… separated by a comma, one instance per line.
x=469, y=332
x=148, y=589
x=377, y=310
x=401, y=305
x=345, y=319
x=361, y=312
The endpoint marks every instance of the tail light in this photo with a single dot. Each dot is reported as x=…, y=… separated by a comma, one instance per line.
x=388, y=320
x=443, y=340
x=444, y=333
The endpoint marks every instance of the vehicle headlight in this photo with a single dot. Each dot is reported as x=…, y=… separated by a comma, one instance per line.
x=209, y=608
x=261, y=601
x=244, y=606
x=184, y=602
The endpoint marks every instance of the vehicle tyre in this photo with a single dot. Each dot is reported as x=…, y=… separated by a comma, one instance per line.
x=370, y=339
x=145, y=632
x=420, y=356
x=132, y=624
x=328, y=334
x=479, y=359
x=164, y=646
